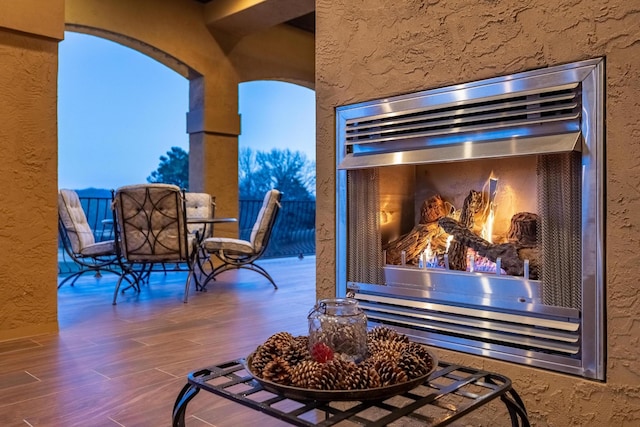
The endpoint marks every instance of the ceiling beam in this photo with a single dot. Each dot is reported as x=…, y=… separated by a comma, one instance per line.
x=242, y=17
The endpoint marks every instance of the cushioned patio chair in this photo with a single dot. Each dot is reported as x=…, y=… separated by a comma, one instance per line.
x=200, y=206
x=79, y=242
x=236, y=253
x=151, y=231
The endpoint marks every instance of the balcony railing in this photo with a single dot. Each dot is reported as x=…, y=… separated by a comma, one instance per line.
x=293, y=235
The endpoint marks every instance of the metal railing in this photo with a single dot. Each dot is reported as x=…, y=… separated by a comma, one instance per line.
x=293, y=235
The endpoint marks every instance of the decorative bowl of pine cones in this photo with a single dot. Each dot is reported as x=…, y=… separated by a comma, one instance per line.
x=285, y=365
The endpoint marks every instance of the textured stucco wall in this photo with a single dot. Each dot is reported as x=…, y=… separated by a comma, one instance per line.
x=28, y=172
x=371, y=49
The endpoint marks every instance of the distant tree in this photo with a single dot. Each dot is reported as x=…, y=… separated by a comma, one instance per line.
x=248, y=186
x=288, y=171
x=173, y=169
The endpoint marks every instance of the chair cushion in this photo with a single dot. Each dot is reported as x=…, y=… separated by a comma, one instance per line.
x=261, y=226
x=74, y=220
x=227, y=244
x=198, y=206
x=107, y=247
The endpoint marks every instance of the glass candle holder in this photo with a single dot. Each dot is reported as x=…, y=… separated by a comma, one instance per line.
x=341, y=325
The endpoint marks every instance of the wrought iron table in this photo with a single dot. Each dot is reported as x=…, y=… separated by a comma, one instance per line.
x=451, y=392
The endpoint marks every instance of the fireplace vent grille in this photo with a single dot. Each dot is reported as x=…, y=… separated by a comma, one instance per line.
x=465, y=326
x=498, y=116
x=499, y=119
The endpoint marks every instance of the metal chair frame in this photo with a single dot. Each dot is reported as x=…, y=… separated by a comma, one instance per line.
x=235, y=260
x=98, y=263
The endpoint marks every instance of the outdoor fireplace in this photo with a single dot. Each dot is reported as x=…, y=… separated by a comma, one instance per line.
x=471, y=217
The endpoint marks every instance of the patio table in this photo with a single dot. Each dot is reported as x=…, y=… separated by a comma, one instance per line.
x=451, y=392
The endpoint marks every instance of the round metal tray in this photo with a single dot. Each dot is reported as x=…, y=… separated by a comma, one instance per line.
x=378, y=393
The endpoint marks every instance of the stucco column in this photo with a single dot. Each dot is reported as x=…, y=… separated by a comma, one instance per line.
x=213, y=125
x=29, y=34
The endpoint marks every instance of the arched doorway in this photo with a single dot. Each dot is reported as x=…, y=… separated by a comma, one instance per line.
x=277, y=150
x=118, y=112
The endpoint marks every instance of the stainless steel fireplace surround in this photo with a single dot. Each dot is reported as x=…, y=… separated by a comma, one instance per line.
x=555, y=114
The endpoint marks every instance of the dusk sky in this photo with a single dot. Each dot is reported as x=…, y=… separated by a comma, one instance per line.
x=119, y=111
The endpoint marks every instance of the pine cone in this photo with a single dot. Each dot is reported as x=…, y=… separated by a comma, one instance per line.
x=345, y=368
x=302, y=340
x=280, y=336
x=331, y=375
x=296, y=353
x=391, y=348
x=278, y=371
x=278, y=343
x=390, y=373
x=261, y=357
x=413, y=365
x=386, y=334
x=304, y=372
x=373, y=377
x=357, y=379
x=421, y=352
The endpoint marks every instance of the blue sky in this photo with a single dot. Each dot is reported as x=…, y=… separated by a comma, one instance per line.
x=119, y=111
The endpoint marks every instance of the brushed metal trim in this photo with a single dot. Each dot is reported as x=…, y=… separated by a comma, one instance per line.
x=452, y=281
x=385, y=133
x=587, y=137
x=466, y=150
x=480, y=334
x=562, y=77
x=437, y=317
x=420, y=113
x=563, y=363
x=568, y=324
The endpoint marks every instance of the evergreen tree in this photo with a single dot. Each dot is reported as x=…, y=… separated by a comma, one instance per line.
x=173, y=169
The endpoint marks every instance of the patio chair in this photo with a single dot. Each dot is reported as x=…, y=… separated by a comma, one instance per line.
x=151, y=230
x=236, y=253
x=200, y=206
x=78, y=240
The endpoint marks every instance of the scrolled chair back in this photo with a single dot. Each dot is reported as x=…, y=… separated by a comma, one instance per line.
x=151, y=223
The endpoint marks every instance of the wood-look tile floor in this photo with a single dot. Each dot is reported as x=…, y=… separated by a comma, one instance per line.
x=124, y=365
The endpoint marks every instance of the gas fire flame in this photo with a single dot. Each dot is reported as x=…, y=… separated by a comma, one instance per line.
x=449, y=239
x=487, y=227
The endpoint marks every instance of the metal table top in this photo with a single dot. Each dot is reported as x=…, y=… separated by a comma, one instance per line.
x=451, y=392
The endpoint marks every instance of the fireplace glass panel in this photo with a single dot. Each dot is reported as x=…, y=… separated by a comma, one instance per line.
x=387, y=224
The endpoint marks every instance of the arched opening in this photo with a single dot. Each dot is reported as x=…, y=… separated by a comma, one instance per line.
x=277, y=150
x=119, y=111
x=176, y=34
